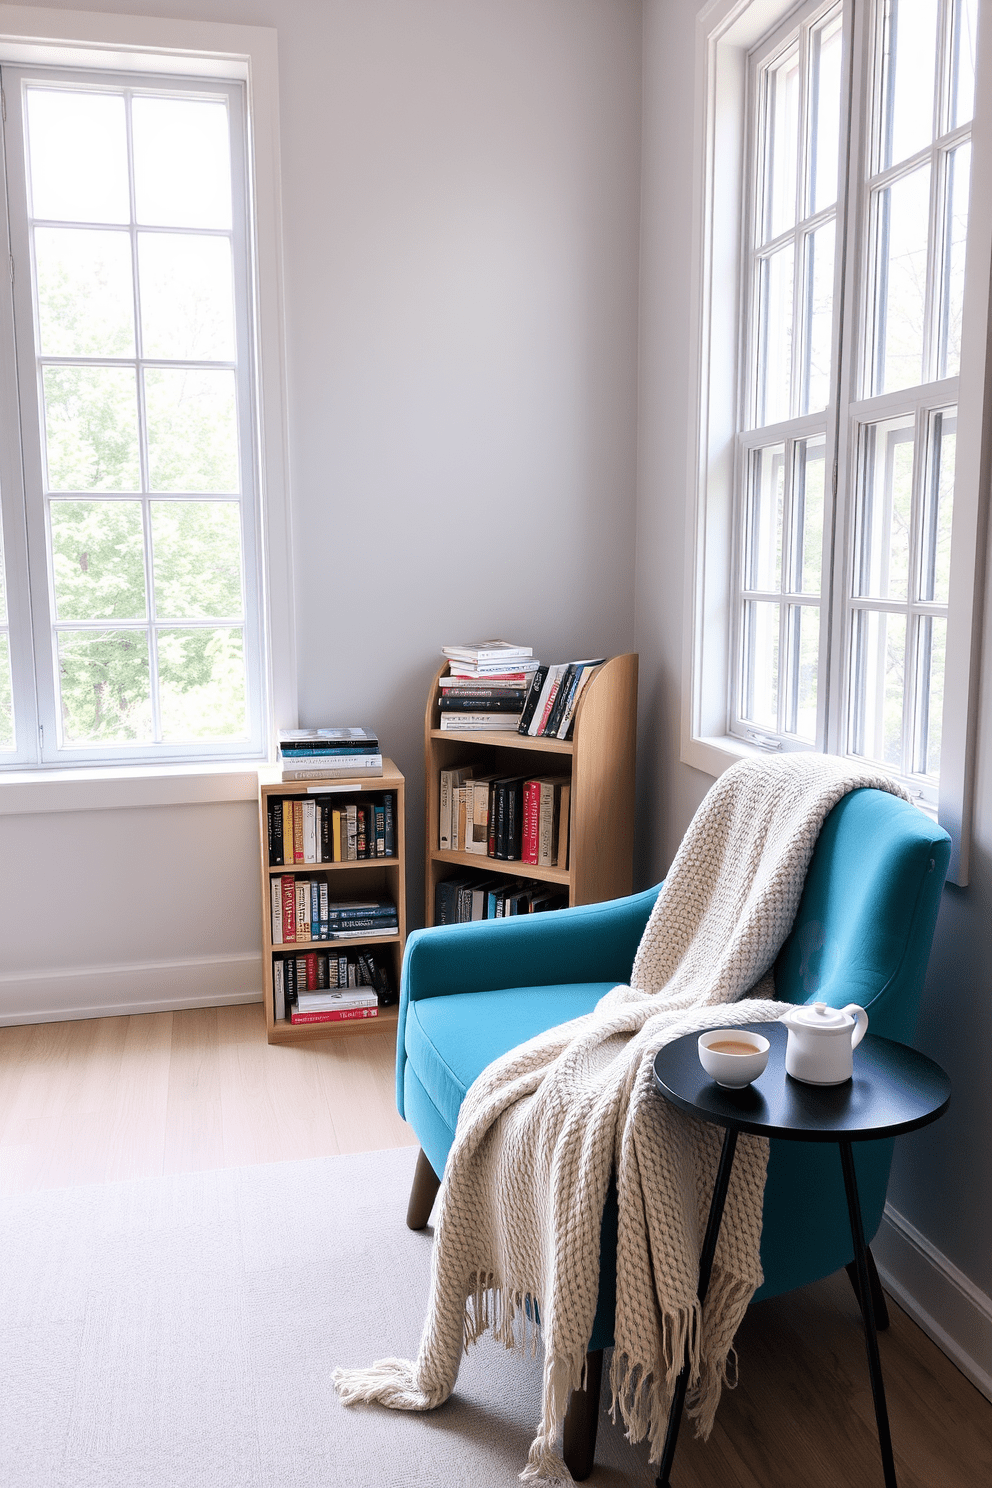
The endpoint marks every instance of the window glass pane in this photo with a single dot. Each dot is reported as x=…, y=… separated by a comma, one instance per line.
x=931, y=652
x=963, y=61
x=77, y=150
x=775, y=337
x=825, y=56
x=187, y=297
x=85, y=292
x=808, y=519
x=192, y=430
x=98, y=560
x=761, y=648
x=182, y=162
x=819, y=290
x=197, y=548
x=879, y=685
x=201, y=678
x=901, y=216
x=3, y=587
x=909, y=73
x=6, y=695
x=91, y=429
x=782, y=144
x=935, y=576
x=958, y=191
x=104, y=685
x=763, y=567
x=804, y=635
x=885, y=504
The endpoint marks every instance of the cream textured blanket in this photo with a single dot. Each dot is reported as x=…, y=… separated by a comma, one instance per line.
x=543, y=1128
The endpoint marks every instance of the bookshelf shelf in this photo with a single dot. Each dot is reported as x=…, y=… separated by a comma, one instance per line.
x=366, y=875
x=599, y=760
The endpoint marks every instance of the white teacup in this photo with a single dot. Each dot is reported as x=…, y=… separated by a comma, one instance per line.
x=733, y=1056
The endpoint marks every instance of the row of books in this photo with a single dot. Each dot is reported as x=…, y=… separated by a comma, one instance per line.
x=303, y=910
x=327, y=829
x=459, y=900
x=321, y=988
x=516, y=818
x=329, y=753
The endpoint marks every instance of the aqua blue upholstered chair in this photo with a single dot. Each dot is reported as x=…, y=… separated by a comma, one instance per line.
x=862, y=934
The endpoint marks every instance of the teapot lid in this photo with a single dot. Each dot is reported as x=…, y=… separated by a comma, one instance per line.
x=819, y=1018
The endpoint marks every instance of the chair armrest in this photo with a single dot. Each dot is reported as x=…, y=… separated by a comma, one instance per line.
x=590, y=943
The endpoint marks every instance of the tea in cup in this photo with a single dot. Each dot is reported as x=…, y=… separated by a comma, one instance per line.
x=733, y=1056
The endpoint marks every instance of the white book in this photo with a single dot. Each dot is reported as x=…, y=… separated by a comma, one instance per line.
x=479, y=652
x=477, y=816
x=370, y=768
x=493, y=668
x=278, y=990
x=324, y=1000
x=309, y=831
x=504, y=723
x=276, y=888
x=303, y=910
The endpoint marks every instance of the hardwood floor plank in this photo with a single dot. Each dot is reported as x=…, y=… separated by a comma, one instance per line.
x=194, y=1122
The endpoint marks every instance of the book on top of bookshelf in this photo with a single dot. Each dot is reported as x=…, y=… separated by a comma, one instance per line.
x=333, y=860
x=535, y=793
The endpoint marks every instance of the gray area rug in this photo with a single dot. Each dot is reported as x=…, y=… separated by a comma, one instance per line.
x=180, y=1333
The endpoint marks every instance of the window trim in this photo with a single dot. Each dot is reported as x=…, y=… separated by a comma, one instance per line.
x=248, y=54
x=726, y=30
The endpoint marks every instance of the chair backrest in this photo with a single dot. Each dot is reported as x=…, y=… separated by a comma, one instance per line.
x=867, y=915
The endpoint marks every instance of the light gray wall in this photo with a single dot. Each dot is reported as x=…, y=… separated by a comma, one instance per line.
x=942, y=1177
x=461, y=193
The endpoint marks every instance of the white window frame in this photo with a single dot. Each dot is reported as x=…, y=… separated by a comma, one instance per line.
x=246, y=56
x=726, y=32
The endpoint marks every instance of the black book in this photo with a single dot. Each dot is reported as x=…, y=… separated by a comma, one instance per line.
x=514, y=817
x=466, y=703
x=275, y=832
x=558, y=706
x=530, y=704
x=289, y=978
x=446, y=902
x=326, y=846
x=499, y=824
x=390, y=804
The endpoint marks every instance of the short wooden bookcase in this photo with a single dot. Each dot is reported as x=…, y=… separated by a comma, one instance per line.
x=599, y=761
x=367, y=878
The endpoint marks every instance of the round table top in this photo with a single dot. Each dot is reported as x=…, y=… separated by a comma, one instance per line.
x=894, y=1090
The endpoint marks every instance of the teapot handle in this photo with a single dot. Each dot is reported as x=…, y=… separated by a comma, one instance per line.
x=861, y=1027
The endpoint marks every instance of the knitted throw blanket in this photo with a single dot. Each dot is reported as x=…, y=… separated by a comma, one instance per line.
x=543, y=1128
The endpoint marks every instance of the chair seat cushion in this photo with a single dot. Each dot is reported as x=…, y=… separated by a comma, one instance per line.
x=451, y=1040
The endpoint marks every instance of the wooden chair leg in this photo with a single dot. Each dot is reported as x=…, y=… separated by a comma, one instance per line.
x=422, y=1195
x=581, y=1421
x=879, y=1305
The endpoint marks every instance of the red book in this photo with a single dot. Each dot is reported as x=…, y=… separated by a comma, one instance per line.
x=532, y=810
x=336, y=1015
x=311, y=971
x=288, y=907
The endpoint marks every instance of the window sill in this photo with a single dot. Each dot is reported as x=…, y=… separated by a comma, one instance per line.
x=109, y=787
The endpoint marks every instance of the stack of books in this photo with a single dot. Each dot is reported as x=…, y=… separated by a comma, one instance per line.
x=303, y=910
x=329, y=754
x=486, y=686
x=327, y=988
x=553, y=696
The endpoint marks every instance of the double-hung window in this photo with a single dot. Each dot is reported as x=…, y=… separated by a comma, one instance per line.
x=828, y=471
x=128, y=456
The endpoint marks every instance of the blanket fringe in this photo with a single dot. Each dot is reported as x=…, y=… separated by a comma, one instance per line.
x=391, y=1382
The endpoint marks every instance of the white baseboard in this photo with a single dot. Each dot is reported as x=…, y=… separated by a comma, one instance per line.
x=55, y=995
x=948, y=1306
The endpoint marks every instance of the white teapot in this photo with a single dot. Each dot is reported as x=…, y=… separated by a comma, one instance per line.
x=822, y=1040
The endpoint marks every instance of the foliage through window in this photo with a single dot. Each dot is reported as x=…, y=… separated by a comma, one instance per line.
x=136, y=634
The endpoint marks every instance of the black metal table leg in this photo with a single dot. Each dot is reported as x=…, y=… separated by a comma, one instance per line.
x=705, y=1268
x=868, y=1313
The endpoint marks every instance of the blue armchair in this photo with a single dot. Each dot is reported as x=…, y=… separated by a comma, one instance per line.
x=862, y=934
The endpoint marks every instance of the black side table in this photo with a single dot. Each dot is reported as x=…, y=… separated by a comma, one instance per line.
x=894, y=1090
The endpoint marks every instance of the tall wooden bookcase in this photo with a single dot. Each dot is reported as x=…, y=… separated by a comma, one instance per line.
x=599, y=759
x=369, y=876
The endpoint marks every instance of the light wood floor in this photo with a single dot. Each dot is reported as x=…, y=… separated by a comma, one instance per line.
x=114, y=1098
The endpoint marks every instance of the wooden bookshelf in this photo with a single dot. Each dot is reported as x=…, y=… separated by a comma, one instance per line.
x=367, y=876
x=599, y=759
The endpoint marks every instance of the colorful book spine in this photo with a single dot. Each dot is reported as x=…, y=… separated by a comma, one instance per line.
x=288, y=908
x=336, y=1015
x=275, y=888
